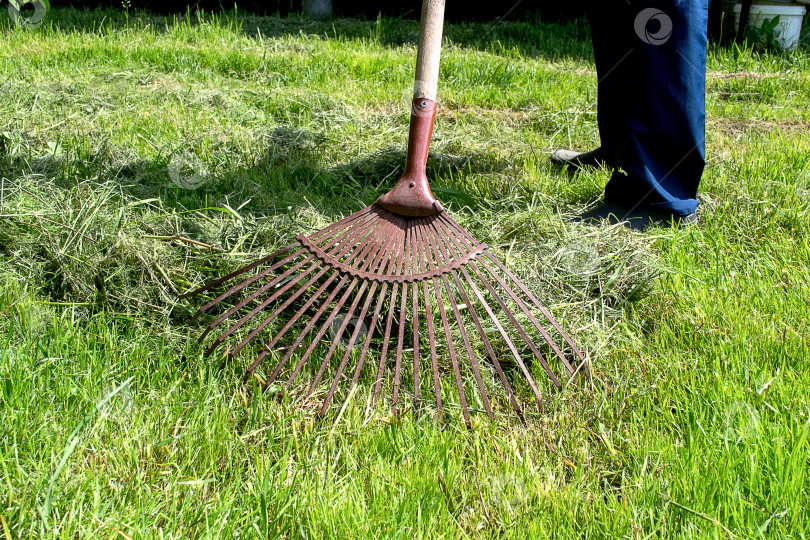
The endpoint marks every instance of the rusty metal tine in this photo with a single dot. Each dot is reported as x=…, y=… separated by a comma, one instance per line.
x=368, y=261
x=418, y=268
x=424, y=266
x=347, y=353
x=517, y=325
x=239, y=271
x=372, y=325
x=449, y=221
x=347, y=238
x=387, y=259
x=506, y=338
x=247, y=282
x=400, y=342
x=312, y=322
x=392, y=269
x=483, y=335
x=404, y=302
x=358, y=249
x=388, y=324
x=344, y=245
x=443, y=315
x=438, y=246
x=512, y=317
x=537, y=304
x=287, y=273
x=386, y=244
x=306, y=329
x=529, y=314
x=500, y=328
x=384, y=352
x=275, y=314
x=338, y=335
x=289, y=324
x=348, y=220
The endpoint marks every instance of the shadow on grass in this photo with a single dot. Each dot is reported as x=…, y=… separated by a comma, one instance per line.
x=288, y=172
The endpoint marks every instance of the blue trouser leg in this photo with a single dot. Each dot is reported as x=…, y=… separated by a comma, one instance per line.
x=651, y=63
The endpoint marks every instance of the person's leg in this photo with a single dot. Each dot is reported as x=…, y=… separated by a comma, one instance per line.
x=610, y=47
x=660, y=131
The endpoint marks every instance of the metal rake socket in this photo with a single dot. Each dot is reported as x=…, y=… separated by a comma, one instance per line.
x=380, y=274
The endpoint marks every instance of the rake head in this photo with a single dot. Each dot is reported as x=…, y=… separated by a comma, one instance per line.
x=383, y=289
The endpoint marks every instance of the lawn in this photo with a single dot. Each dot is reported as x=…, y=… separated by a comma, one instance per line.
x=142, y=156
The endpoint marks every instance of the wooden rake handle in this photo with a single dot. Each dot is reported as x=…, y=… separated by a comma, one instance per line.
x=412, y=196
x=430, y=48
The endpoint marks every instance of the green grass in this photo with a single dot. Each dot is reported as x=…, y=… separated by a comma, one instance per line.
x=695, y=423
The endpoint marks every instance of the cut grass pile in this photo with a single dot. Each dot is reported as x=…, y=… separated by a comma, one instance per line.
x=140, y=157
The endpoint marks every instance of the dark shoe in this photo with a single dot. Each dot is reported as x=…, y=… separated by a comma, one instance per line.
x=635, y=219
x=593, y=158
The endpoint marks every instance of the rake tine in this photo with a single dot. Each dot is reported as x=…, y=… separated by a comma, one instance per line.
x=345, y=239
x=388, y=250
x=346, y=243
x=236, y=288
x=311, y=323
x=484, y=338
x=415, y=288
x=374, y=258
x=423, y=266
x=387, y=334
x=401, y=340
x=357, y=250
x=271, y=317
x=529, y=314
x=289, y=324
x=400, y=343
x=258, y=308
x=392, y=269
x=240, y=271
x=538, y=305
x=521, y=286
x=500, y=328
x=378, y=263
x=305, y=331
x=440, y=302
x=437, y=246
x=517, y=326
x=509, y=343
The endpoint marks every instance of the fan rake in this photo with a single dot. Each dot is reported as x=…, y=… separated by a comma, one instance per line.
x=404, y=272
